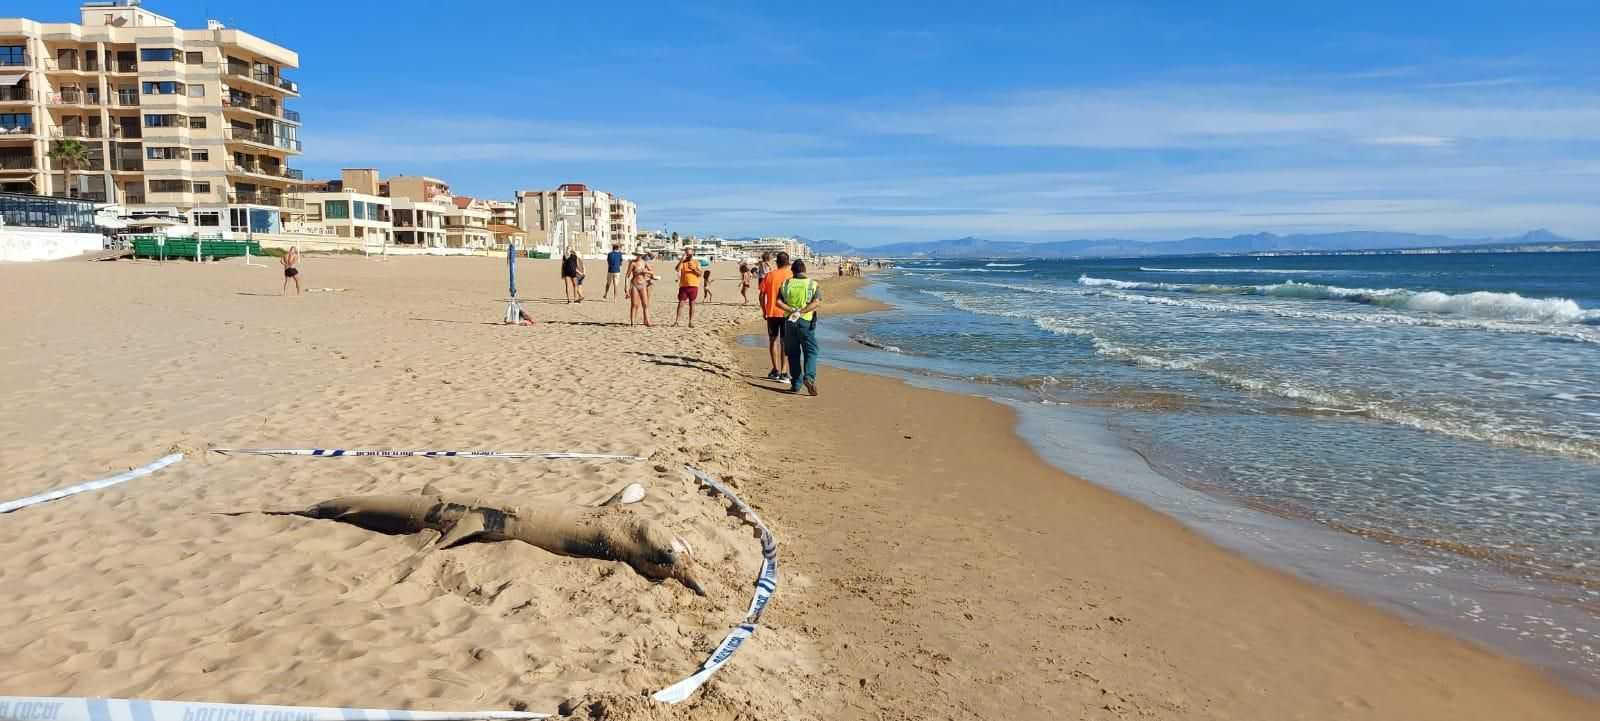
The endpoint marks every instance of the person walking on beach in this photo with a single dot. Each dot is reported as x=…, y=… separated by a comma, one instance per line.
x=640, y=275
x=705, y=280
x=688, y=285
x=744, y=281
x=572, y=276
x=799, y=297
x=774, y=315
x=762, y=269
x=290, y=260
x=613, y=272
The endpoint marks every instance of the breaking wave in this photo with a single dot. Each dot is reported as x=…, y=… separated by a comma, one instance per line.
x=1477, y=304
x=1003, y=265
x=1234, y=270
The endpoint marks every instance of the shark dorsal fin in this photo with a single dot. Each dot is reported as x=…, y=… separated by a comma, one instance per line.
x=470, y=525
x=430, y=490
x=631, y=493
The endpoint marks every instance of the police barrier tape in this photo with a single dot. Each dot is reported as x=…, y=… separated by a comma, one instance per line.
x=25, y=708
x=338, y=452
x=10, y=506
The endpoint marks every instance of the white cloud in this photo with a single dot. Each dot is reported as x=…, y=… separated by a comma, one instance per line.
x=1415, y=141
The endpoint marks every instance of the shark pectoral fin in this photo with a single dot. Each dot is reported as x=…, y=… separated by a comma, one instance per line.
x=470, y=525
x=428, y=489
x=631, y=493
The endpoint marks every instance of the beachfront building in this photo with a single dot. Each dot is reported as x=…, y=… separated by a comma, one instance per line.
x=363, y=219
x=575, y=217
x=624, y=224
x=753, y=248
x=502, y=212
x=184, y=123
x=418, y=223
x=466, y=223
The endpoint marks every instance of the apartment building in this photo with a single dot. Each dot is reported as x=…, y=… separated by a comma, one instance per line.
x=624, y=224
x=466, y=224
x=502, y=212
x=576, y=217
x=188, y=123
x=363, y=218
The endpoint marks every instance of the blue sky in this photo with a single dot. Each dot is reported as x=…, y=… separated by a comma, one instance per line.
x=879, y=122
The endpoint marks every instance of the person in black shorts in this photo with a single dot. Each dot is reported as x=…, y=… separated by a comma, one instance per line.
x=290, y=260
x=572, y=276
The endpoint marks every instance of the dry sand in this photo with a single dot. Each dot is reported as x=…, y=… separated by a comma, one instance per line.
x=932, y=566
x=140, y=591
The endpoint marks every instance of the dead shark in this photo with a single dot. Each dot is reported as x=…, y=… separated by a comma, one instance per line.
x=607, y=531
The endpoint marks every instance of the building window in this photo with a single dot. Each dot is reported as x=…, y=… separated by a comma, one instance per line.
x=207, y=220
x=200, y=156
x=197, y=121
x=163, y=121
x=16, y=120
x=336, y=210
x=169, y=186
x=202, y=187
x=360, y=210
x=194, y=58
x=157, y=55
x=163, y=88
x=155, y=153
x=13, y=55
x=197, y=91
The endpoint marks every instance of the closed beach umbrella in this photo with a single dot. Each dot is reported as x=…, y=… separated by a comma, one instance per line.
x=511, y=265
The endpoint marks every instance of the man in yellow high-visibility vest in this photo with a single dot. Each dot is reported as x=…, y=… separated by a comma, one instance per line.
x=799, y=298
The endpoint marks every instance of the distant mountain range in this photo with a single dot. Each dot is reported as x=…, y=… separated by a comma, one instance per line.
x=971, y=247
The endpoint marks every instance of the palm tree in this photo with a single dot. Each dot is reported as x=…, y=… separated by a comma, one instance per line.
x=70, y=156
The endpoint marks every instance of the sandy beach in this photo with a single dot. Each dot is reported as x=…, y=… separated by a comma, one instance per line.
x=932, y=565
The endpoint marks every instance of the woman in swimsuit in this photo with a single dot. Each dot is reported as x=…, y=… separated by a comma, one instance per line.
x=572, y=276
x=744, y=281
x=640, y=275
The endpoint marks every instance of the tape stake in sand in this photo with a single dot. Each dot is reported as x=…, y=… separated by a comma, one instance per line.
x=340, y=453
x=10, y=506
x=25, y=708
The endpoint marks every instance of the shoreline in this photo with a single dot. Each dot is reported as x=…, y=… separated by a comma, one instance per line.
x=1196, y=631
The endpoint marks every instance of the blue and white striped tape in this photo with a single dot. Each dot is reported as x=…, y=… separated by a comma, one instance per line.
x=340, y=452
x=27, y=708
x=10, y=506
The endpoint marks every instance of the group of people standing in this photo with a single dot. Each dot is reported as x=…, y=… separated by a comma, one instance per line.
x=787, y=297
x=789, y=302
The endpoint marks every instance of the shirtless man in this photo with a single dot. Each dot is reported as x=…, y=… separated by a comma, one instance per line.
x=290, y=260
x=640, y=274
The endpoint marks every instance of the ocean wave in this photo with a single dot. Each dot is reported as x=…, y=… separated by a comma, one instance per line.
x=1003, y=265
x=1240, y=270
x=1436, y=420
x=1565, y=333
x=871, y=342
x=943, y=269
x=1476, y=304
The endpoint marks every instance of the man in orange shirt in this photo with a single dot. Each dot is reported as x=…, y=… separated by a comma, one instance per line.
x=688, y=285
x=774, y=316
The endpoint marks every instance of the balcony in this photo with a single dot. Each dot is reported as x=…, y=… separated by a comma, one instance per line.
x=17, y=162
x=126, y=99
x=12, y=61
x=270, y=172
x=276, y=200
x=127, y=165
x=123, y=66
x=74, y=96
x=92, y=195
x=265, y=78
x=131, y=199
x=14, y=94
x=19, y=132
x=72, y=64
x=78, y=132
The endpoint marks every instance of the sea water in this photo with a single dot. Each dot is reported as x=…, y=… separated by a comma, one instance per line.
x=1422, y=429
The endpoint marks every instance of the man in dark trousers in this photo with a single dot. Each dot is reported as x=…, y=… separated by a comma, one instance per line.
x=799, y=297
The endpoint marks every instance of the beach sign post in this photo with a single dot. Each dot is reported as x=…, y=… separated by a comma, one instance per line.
x=513, y=311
